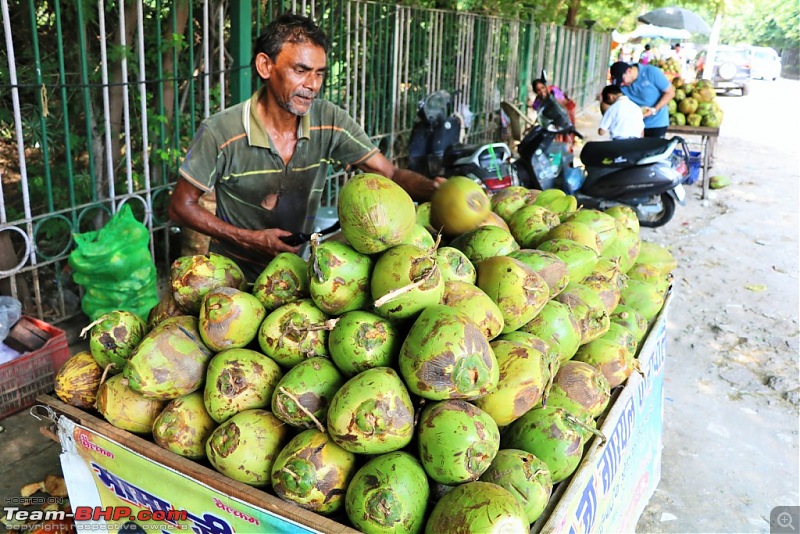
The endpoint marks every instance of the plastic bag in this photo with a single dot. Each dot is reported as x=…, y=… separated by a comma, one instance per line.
x=10, y=312
x=115, y=268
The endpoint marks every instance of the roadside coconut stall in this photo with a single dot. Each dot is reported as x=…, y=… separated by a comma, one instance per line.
x=472, y=363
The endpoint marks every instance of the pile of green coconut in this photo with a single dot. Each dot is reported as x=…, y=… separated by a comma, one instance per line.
x=436, y=367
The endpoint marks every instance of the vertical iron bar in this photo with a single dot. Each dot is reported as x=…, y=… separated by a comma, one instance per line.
x=126, y=113
x=87, y=106
x=101, y=17
x=42, y=103
x=62, y=82
x=148, y=215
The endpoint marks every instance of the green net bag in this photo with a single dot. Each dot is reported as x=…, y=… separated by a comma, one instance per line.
x=115, y=268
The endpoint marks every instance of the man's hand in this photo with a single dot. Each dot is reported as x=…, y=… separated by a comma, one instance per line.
x=267, y=243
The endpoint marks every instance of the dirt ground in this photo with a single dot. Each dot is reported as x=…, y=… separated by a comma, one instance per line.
x=732, y=389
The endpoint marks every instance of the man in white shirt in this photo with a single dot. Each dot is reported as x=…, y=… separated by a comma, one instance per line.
x=623, y=119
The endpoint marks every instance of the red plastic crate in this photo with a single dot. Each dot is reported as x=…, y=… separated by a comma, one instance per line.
x=31, y=374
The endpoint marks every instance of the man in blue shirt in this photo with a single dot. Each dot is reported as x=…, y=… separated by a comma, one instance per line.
x=647, y=87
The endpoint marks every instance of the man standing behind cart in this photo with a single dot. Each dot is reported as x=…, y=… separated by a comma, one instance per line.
x=648, y=88
x=267, y=158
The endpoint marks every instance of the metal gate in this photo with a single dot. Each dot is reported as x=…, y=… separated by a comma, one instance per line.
x=99, y=105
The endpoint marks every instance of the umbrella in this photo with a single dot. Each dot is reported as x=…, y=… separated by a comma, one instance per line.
x=648, y=30
x=676, y=17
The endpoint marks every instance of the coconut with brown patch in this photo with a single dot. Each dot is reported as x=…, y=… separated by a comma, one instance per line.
x=446, y=356
x=125, y=408
x=78, y=380
x=372, y=413
x=523, y=379
x=294, y=332
x=192, y=277
x=237, y=380
x=170, y=361
x=302, y=397
x=338, y=277
x=229, y=318
x=518, y=291
x=283, y=280
x=457, y=441
x=475, y=304
x=114, y=336
x=361, y=340
x=245, y=446
x=584, y=384
x=313, y=472
x=183, y=426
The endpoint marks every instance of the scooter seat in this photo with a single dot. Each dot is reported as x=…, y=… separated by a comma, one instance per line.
x=622, y=152
x=456, y=152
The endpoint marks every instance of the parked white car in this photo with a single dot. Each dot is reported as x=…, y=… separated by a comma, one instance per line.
x=766, y=63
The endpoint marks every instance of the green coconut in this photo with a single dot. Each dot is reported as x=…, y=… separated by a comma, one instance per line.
x=517, y=290
x=626, y=215
x=424, y=216
x=294, y=332
x=507, y=201
x=229, y=318
x=579, y=258
x=602, y=223
x=530, y=223
x=183, y=426
x=237, y=380
x=473, y=302
x=624, y=249
x=585, y=305
x=457, y=441
x=563, y=205
x=389, y=493
x=458, y=205
x=446, y=356
x=553, y=435
x=245, y=446
x=192, y=277
x=375, y=213
x=303, y=395
x=338, y=277
x=454, y=265
x=485, y=242
x=170, y=361
x=361, y=340
x=557, y=326
x=313, y=472
x=283, y=280
x=113, y=337
x=420, y=237
x=607, y=281
x=126, y=409
x=372, y=413
x=575, y=231
x=611, y=354
x=406, y=280
x=630, y=319
x=522, y=381
x=643, y=297
x=584, y=384
x=651, y=274
x=525, y=476
x=478, y=508
x=657, y=256
x=547, y=265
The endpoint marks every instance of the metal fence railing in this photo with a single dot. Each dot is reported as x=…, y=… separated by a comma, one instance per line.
x=100, y=102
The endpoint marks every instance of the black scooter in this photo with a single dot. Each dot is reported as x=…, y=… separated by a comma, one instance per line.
x=435, y=148
x=644, y=174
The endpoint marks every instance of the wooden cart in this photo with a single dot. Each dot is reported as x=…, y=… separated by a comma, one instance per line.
x=708, y=144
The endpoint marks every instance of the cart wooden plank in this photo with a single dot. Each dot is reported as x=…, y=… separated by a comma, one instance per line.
x=199, y=472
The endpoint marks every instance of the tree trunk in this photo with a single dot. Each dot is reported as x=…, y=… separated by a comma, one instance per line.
x=573, y=7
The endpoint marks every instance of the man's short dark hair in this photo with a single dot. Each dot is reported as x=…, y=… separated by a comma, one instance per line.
x=609, y=90
x=288, y=28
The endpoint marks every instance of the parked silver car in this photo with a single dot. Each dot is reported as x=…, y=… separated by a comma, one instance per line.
x=731, y=68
